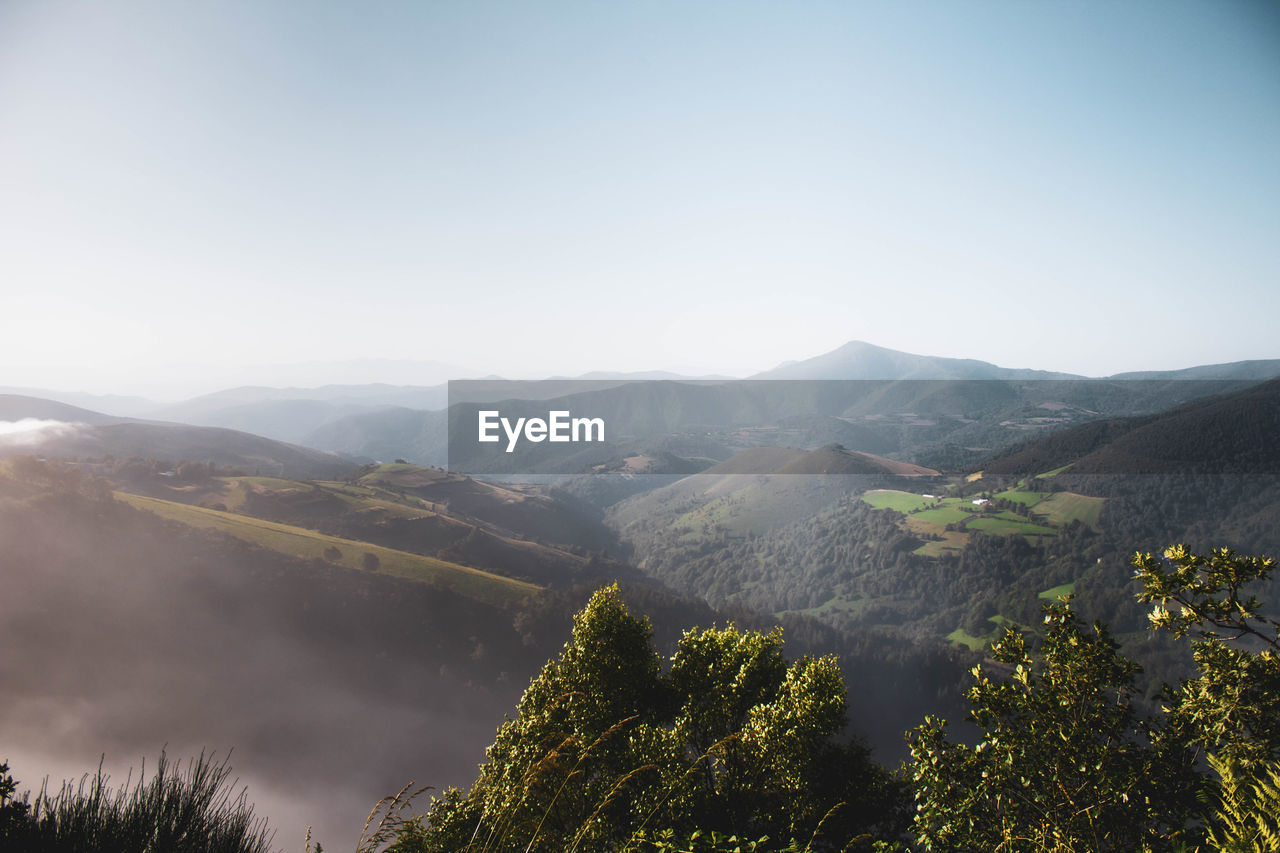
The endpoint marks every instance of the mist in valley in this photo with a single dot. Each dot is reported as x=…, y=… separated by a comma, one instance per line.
x=121, y=635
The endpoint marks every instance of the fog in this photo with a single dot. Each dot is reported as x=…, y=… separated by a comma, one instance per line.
x=121, y=635
x=29, y=432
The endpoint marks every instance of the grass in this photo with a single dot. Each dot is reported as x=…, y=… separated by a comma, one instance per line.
x=943, y=515
x=1009, y=527
x=1066, y=507
x=1020, y=496
x=946, y=511
x=173, y=810
x=1056, y=471
x=1052, y=510
x=298, y=541
x=892, y=499
x=963, y=638
x=1054, y=593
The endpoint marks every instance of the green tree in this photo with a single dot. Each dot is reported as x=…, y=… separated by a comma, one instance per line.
x=1064, y=762
x=607, y=748
x=1231, y=708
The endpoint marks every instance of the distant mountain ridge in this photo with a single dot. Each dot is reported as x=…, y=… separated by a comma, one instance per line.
x=389, y=421
x=861, y=360
x=1232, y=433
x=87, y=434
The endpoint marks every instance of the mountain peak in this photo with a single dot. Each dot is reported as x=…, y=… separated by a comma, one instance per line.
x=862, y=360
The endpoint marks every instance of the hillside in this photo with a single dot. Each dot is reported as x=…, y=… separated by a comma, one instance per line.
x=379, y=506
x=933, y=422
x=87, y=434
x=289, y=540
x=16, y=407
x=958, y=556
x=753, y=492
x=1232, y=433
x=260, y=637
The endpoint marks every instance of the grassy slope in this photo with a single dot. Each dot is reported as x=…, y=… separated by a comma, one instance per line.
x=298, y=541
x=930, y=516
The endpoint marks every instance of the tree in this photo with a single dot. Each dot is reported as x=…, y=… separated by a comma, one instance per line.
x=608, y=749
x=370, y=561
x=1063, y=763
x=1231, y=708
x=14, y=811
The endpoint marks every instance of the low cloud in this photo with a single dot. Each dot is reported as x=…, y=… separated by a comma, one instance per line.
x=31, y=431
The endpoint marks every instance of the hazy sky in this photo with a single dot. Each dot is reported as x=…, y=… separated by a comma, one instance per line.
x=539, y=188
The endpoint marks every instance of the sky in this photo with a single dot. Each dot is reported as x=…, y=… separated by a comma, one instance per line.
x=190, y=192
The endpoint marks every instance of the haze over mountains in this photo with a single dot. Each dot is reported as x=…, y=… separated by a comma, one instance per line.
x=897, y=512
x=386, y=421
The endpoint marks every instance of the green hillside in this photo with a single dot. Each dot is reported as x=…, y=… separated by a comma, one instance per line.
x=298, y=541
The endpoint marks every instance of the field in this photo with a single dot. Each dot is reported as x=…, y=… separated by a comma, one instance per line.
x=297, y=541
x=1065, y=507
x=929, y=517
x=900, y=501
x=1054, y=593
x=1019, y=496
x=1002, y=526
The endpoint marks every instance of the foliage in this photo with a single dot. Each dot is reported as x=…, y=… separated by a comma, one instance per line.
x=13, y=811
x=1247, y=819
x=1064, y=761
x=606, y=747
x=1232, y=707
x=172, y=812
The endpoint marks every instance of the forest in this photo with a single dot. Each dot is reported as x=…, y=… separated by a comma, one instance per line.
x=726, y=745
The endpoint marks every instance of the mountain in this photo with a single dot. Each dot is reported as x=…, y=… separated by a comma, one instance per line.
x=111, y=404
x=861, y=360
x=17, y=407
x=1256, y=370
x=292, y=414
x=80, y=433
x=1233, y=433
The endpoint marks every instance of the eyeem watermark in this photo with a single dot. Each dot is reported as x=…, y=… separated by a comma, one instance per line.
x=558, y=426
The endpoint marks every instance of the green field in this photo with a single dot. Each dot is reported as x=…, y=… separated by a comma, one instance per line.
x=1054, y=593
x=1066, y=507
x=943, y=515
x=1018, y=496
x=1009, y=527
x=300, y=542
x=900, y=501
x=962, y=638
x=1050, y=511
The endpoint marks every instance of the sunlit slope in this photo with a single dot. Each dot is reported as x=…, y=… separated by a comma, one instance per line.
x=298, y=541
x=518, y=533
x=525, y=512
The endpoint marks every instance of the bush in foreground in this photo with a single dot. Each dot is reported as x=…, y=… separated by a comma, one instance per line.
x=173, y=811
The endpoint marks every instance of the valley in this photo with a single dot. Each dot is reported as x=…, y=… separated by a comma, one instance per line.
x=393, y=589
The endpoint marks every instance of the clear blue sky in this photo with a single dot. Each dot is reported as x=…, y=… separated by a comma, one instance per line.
x=541, y=188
